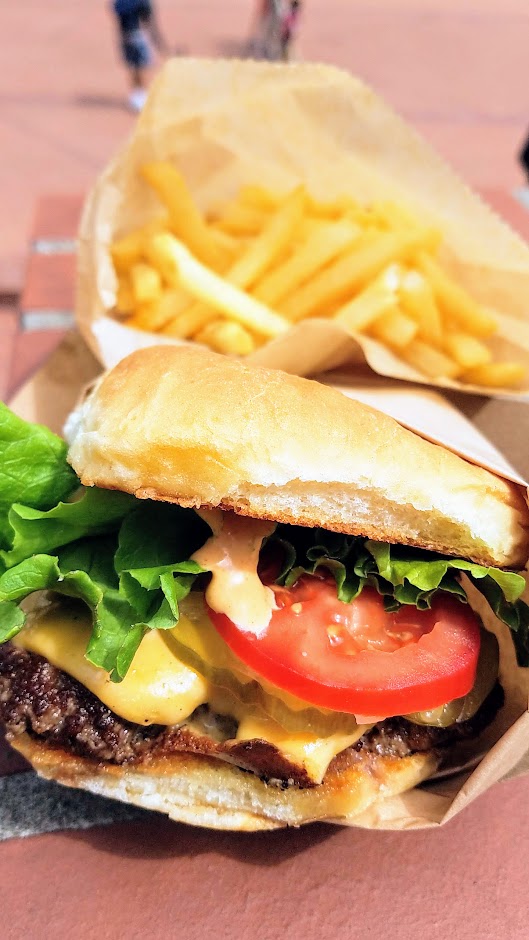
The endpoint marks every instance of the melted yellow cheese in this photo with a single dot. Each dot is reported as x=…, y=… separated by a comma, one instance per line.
x=315, y=754
x=160, y=689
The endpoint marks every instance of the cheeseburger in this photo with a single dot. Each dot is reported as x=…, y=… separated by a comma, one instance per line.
x=245, y=600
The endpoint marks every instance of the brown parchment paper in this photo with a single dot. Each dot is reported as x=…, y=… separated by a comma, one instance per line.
x=503, y=751
x=228, y=123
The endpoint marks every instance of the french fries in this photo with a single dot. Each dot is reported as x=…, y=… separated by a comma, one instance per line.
x=185, y=220
x=125, y=301
x=128, y=250
x=321, y=247
x=226, y=336
x=366, y=308
x=213, y=290
x=190, y=321
x=430, y=361
x=417, y=299
x=146, y=283
x=239, y=219
x=248, y=270
x=156, y=314
x=496, y=374
x=350, y=273
x=454, y=300
x=394, y=329
x=468, y=351
x=270, y=244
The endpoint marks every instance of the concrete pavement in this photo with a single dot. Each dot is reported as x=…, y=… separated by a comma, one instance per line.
x=457, y=71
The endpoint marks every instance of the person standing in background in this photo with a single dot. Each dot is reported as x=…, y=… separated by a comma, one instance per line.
x=138, y=28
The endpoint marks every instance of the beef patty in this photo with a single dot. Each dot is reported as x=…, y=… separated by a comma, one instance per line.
x=38, y=699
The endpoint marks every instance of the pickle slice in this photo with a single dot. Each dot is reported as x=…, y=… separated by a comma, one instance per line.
x=461, y=709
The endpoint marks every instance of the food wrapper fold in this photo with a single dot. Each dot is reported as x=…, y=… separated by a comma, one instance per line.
x=229, y=123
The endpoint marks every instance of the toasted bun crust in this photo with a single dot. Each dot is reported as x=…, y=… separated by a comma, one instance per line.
x=207, y=792
x=185, y=425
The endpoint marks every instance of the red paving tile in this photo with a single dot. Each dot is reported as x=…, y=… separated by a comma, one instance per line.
x=57, y=216
x=30, y=351
x=49, y=283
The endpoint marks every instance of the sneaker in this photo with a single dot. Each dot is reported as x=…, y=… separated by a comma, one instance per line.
x=137, y=99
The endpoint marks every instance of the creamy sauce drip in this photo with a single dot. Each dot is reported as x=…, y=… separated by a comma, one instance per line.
x=232, y=555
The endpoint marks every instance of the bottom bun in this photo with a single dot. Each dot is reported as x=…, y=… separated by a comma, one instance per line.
x=203, y=791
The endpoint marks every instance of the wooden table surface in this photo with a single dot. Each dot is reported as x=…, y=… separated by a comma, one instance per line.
x=160, y=880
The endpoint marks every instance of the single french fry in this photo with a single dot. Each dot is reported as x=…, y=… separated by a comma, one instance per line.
x=185, y=219
x=124, y=296
x=128, y=250
x=231, y=245
x=226, y=336
x=454, y=300
x=146, y=283
x=270, y=244
x=430, y=361
x=391, y=278
x=155, y=254
x=334, y=209
x=327, y=241
x=259, y=198
x=417, y=299
x=394, y=215
x=190, y=321
x=155, y=315
x=394, y=329
x=360, y=312
x=365, y=216
x=140, y=319
x=496, y=374
x=308, y=227
x=237, y=219
x=160, y=259
x=468, y=351
x=213, y=290
x=351, y=272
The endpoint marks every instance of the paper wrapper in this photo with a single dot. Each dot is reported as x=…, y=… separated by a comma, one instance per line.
x=50, y=395
x=228, y=123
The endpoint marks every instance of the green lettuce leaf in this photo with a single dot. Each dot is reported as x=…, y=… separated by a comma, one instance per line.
x=33, y=467
x=426, y=571
x=402, y=575
x=32, y=531
x=12, y=620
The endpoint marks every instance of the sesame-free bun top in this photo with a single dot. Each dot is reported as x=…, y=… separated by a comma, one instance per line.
x=185, y=425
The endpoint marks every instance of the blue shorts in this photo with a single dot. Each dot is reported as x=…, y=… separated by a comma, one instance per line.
x=136, y=50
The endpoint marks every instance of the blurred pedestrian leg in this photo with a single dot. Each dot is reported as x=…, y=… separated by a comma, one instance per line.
x=289, y=28
x=137, y=29
x=275, y=25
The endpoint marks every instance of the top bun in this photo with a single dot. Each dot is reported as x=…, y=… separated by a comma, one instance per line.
x=185, y=425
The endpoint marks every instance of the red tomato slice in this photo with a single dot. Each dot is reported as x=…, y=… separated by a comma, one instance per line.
x=356, y=657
